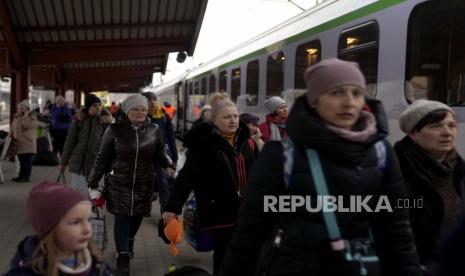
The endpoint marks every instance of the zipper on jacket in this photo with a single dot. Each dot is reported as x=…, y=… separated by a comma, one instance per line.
x=135, y=170
x=275, y=245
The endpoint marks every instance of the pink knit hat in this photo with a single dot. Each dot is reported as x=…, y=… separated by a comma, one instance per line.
x=48, y=203
x=331, y=73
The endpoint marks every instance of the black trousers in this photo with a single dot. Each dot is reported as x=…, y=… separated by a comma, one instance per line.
x=25, y=165
x=221, y=239
x=59, y=138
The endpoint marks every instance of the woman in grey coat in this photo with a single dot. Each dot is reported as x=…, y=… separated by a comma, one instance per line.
x=83, y=142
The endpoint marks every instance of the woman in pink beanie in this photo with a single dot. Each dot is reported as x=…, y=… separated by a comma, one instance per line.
x=347, y=132
x=63, y=242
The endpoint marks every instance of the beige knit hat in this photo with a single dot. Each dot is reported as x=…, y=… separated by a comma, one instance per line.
x=417, y=111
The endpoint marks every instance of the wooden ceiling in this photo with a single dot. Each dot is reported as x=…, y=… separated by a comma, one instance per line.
x=111, y=45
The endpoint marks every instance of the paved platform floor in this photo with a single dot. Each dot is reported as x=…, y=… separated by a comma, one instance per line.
x=152, y=256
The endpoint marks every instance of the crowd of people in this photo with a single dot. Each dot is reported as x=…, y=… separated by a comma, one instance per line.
x=233, y=163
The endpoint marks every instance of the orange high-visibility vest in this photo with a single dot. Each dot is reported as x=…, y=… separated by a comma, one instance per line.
x=170, y=111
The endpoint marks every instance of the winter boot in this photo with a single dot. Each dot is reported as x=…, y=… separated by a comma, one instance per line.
x=131, y=247
x=123, y=264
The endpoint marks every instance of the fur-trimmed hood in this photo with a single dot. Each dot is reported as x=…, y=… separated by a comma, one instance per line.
x=105, y=116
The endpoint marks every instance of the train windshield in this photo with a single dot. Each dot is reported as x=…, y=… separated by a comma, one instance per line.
x=435, y=53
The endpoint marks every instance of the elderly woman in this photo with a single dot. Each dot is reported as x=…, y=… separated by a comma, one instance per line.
x=128, y=153
x=330, y=119
x=23, y=130
x=433, y=171
x=217, y=169
x=274, y=129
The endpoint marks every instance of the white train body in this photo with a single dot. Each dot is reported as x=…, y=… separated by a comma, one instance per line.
x=390, y=41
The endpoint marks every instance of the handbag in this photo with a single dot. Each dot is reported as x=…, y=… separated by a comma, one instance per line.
x=99, y=229
x=359, y=255
x=199, y=239
x=11, y=145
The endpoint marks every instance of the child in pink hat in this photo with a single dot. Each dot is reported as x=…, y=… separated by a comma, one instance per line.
x=61, y=218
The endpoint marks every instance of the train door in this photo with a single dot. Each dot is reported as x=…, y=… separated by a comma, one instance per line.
x=179, y=92
x=435, y=68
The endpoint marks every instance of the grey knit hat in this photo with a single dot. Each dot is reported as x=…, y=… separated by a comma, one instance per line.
x=417, y=111
x=273, y=103
x=134, y=101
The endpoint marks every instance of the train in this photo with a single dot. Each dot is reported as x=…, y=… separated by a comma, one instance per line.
x=407, y=50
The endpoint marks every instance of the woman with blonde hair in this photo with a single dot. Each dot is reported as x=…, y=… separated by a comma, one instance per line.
x=217, y=169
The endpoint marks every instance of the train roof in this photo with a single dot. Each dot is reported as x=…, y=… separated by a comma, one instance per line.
x=328, y=14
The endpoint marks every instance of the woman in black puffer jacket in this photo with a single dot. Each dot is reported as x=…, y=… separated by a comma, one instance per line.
x=127, y=155
x=345, y=128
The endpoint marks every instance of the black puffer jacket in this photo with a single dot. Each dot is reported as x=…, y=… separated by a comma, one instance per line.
x=216, y=172
x=422, y=179
x=350, y=168
x=126, y=158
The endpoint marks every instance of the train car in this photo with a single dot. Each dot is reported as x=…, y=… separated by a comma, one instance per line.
x=407, y=50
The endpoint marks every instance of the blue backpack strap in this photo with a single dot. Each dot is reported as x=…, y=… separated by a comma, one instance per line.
x=321, y=187
x=381, y=153
x=288, y=161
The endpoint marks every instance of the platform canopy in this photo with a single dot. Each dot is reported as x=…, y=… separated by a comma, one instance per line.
x=89, y=45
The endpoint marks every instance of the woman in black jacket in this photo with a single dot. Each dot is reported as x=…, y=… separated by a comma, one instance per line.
x=345, y=128
x=128, y=153
x=434, y=174
x=217, y=166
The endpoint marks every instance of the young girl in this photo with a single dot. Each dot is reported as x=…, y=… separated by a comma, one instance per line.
x=61, y=218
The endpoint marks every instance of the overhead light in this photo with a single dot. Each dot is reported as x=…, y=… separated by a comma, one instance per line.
x=283, y=58
x=351, y=41
x=312, y=51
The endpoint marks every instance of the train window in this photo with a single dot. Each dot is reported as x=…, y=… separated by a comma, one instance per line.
x=203, y=87
x=252, y=83
x=223, y=79
x=360, y=44
x=196, y=87
x=275, y=74
x=212, y=84
x=235, y=84
x=307, y=54
x=191, y=91
x=435, y=66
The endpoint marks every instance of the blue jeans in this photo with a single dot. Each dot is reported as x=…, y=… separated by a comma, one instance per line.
x=161, y=181
x=125, y=229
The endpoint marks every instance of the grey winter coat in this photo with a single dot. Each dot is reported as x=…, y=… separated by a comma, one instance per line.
x=83, y=142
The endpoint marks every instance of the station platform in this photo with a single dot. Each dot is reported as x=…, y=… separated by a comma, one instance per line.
x=151, y=257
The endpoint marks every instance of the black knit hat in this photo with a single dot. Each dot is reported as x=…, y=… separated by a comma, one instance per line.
x=247, y=118
x=90, y=100
x=150, y=96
